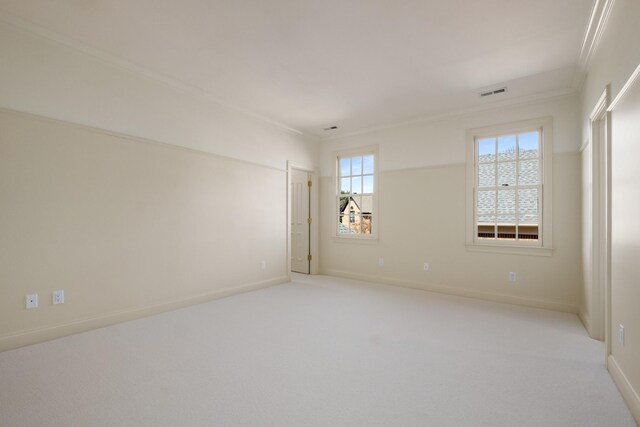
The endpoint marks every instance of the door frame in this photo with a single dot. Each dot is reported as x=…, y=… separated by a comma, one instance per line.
x=313, y=212
x=600, y=312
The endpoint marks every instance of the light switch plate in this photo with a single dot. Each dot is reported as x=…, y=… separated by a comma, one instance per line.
x=58, y=297
x=621, y=334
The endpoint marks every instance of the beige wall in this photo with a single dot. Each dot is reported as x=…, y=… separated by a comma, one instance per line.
x=431, y=228
x=125, y=227
x=625, y=238
x=615, y=59
x=128, y=227
x=66, y=81
x=422, y=213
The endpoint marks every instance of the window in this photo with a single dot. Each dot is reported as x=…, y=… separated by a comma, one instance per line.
x=509, y=185
x=356, y=181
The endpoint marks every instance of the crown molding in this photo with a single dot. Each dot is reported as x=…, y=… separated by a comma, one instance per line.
x=528, y=99
x=597, y=23
x=116, y=62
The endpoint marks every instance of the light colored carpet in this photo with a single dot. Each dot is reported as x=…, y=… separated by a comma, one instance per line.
x=319, y=352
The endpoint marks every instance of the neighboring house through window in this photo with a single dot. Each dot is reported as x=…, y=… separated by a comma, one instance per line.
x=356, y=182
x=509, y=185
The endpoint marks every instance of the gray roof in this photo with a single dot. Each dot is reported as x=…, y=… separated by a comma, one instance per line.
x=366, y=201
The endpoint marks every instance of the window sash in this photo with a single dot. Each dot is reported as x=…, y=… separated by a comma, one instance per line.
x=362, y=175
x=496, y=161
x=516, y=214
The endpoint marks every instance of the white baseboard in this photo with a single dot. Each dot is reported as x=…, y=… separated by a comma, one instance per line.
x=586, y=322
x=8, y=342
x=509, y=299
x=629, y=395
x=584, y=318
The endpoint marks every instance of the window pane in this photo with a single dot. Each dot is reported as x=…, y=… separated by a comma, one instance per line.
x=486, y=203
x=343, y=225
x=528, y=173
x=528, y=145
x=507, y=220
x=528, y=232
x=356, y=185
x=354, y=226
x=343, y=205
x=487, y=175
x=366, y=205
x=355, y=203
x=528, y=200
x=366, y=225
x=345, y=185
x=356, y=166
x=345, y=167
x=486, y=219
x=507, y=202
x=507, y=148
x=367, y=164
x=487, y=231
x=507, y=173
x=530, y=218
x=506, y=231
x=486, y=150
x=367, y=184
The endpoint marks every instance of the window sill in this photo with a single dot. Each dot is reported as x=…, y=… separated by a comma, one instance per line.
x=355, y=240
x=510, y=250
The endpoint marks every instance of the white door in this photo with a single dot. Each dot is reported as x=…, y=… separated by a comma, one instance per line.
x=300, y=219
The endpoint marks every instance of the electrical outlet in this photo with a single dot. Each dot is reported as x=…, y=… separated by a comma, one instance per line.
x=32, y=301
x=380, y=262
x=512, y=276
x=57, y=297
x=263, y=264
x=621, y=334
x=425, y=267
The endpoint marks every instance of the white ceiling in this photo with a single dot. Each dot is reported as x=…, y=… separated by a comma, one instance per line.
x=357, y=64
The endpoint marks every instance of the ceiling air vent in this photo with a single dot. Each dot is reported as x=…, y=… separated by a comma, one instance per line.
x=331, y=128
x=493, y=92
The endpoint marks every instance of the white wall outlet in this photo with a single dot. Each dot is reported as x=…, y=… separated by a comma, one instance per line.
x=425, y=267
x=263, y=264
x=380, y=262
x=57, y=297
x=621, y=334
x=32, y=301
x=512, y=276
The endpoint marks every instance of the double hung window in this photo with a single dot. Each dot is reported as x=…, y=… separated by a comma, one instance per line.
x=356, y=182
x=509, y=182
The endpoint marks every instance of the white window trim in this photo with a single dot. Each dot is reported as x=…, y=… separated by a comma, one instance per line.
x=375, y=215
x=544, y=247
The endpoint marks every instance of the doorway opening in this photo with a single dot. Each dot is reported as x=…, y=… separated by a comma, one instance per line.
x=302, y=219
